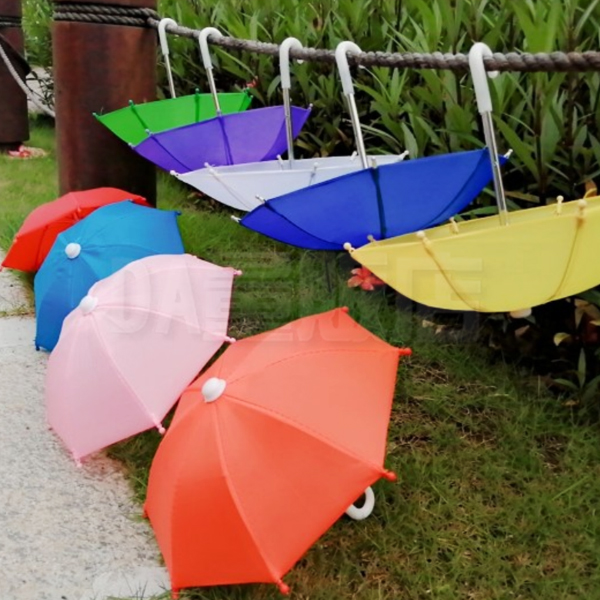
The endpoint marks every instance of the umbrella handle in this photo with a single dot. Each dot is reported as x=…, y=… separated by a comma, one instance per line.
x=478, y=52
x=341, y=58
x=286, y=84
x=207, y=62
x=284, y=60
x=484, y=105
x=358, y=514
x=164, y=47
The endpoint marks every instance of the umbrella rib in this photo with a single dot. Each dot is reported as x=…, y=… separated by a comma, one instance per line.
x=155, y=138
x=235, y=497
x=307, y=430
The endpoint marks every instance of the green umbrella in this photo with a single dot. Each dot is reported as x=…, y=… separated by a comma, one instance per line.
x=134, y=122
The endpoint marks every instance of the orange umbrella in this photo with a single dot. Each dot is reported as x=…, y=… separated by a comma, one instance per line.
x=39, y=230
x=268, y=448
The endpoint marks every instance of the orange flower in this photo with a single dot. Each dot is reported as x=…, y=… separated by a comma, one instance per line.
x=364, y=279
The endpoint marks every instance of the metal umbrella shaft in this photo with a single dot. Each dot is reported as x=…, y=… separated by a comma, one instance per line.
x=490, y=140
x=213, y=91
x=289, y=129
x=170, y=76
x=360, y=142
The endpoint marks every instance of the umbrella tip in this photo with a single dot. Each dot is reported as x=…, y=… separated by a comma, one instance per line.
x=237, y=272
x=213, y=389
x=390, y=476
x=345, y=309
x=404, y=351
x=88, y=304
x=348, y=247
x=161, y=429
x=283, y=588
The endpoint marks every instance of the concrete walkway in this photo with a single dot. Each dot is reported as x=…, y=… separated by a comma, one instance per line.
x=65, y=533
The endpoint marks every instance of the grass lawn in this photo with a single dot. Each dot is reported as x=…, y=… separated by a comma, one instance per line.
x=498, y=486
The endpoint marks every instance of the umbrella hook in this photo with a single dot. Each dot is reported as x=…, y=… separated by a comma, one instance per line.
x=484, y=106
x=164, y=47
x=358, y=514
x=341, y=58
x=207, y=62
x=286, y=83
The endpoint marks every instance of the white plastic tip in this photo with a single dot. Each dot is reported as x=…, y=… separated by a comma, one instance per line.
x=73, y=250
x=88, y=304
x=348, y=247
x=213, y=388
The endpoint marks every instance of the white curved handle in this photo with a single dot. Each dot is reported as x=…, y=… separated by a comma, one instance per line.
x=162, y=34
x=358, y=514
x=341, y=59
x=284, y=60
x=479, y=75
x=204, y=51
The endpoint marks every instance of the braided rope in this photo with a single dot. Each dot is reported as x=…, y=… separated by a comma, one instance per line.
x=106, y=15
x=513, y=61
x=9, y=21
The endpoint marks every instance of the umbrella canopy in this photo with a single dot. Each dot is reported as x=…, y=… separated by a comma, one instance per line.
x=268, y=448
x=135, y=342
x=107, y=240
x=39, y=230
x=378, y=201
x=381, y=202
x=481, y=266
x=507, y=263
x=246, y=186
x=250, y=136
x=135, y=122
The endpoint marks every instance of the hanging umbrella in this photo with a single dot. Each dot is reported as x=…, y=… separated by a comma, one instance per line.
x=135, y=342
x=505, y=263
x=246, y=186
x=250, y=136
x=135, y=122
x=39, y=230
x=379, y=201
x=110, y=238
x=268, y=448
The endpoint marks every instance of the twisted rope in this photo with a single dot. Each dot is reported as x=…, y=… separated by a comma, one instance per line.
x=9, y=21
x=513, y=61
x=106, y=15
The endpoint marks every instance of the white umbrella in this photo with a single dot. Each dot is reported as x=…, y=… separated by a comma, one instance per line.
x=247, y=186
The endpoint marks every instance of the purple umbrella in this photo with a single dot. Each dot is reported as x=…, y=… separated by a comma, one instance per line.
x=232, y=139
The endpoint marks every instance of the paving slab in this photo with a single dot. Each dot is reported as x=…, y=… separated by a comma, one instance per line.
x=66, y=533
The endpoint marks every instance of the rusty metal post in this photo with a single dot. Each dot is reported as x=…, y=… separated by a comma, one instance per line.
x=99, y=67
x=14, y=121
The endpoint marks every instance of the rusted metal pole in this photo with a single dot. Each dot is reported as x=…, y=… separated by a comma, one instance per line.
x=99, y=67
x=14, y=121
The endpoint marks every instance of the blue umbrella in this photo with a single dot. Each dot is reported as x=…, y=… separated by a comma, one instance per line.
x=102, y=243
x=378, y=201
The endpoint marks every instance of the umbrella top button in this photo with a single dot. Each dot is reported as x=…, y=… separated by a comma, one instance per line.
x=88, y=304
x=213, y=388
x=73, y=250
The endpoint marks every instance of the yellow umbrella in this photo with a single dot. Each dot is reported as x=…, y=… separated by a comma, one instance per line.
x=505, y=263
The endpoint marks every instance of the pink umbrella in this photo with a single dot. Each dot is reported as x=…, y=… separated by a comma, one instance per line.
x=132, y=346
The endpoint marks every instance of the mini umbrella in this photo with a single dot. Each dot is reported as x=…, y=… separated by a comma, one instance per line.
x=268, y=448
x=245, y=186
x=134, y=123
x=135, y=342
x=250, y=136
x=39, y=230
x=94, y=248
x=507, y=263
x=378, y=201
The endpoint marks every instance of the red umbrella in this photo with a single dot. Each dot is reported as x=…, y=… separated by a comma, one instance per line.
x=39, y=230
x=268, y=448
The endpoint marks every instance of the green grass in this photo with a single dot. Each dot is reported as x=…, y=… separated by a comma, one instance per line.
x=498, y=490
